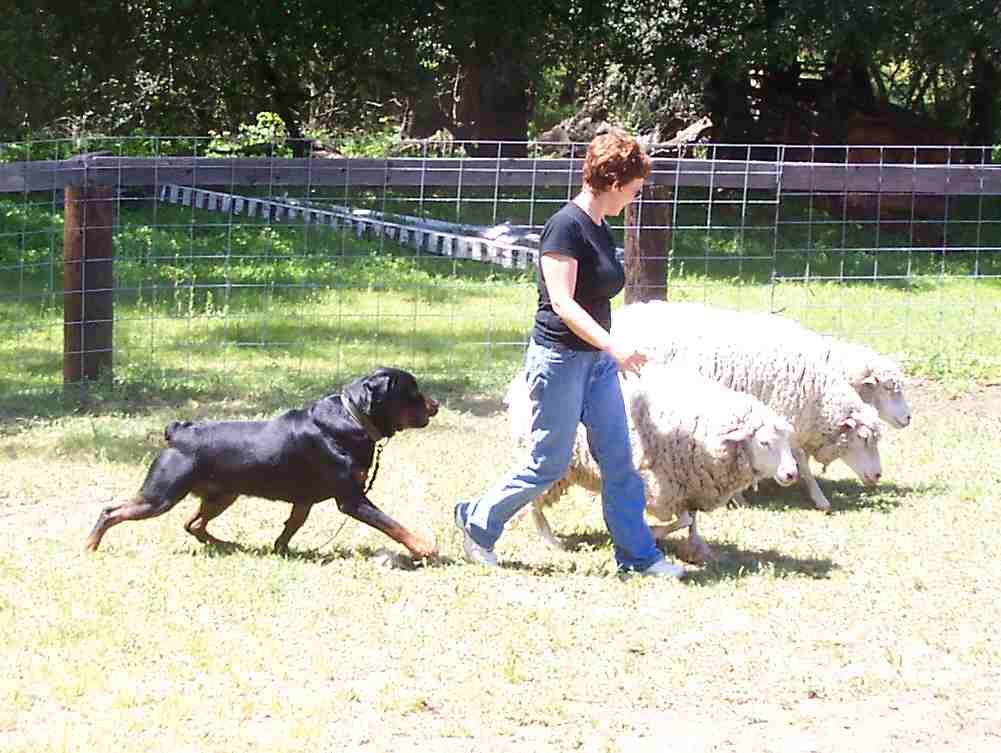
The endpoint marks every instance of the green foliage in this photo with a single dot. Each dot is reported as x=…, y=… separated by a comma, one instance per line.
x=40, y=147
x=377, y=141
x=159, y=68
x=266, y=136
x=548, y=110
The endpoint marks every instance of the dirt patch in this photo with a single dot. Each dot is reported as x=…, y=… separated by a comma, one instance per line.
x=932, y=400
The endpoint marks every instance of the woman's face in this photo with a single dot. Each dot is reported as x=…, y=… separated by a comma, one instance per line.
x=623, y=194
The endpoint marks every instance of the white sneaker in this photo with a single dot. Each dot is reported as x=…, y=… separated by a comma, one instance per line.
x=478, y=555
x=659, y=569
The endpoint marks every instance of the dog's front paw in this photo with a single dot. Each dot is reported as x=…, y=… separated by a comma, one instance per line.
x=420, y=549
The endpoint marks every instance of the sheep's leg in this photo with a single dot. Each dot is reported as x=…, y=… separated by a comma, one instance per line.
x=684, y=520
x=699, y=545
x=544, y=529
x=806, y=476
x=737, y=499
x=694, y=549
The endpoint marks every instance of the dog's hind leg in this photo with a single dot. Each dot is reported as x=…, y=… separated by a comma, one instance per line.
x=300, y=511
x=166, y=484
x=137, y=508
x=210, y=507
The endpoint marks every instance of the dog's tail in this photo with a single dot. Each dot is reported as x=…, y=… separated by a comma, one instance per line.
x=173, y=427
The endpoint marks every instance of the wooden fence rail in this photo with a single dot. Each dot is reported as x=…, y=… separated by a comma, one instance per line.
x=946, y=180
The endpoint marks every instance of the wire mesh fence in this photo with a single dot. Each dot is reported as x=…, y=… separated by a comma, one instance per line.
x=232, y=275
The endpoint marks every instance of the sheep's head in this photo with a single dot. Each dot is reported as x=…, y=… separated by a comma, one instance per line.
x=856, y=442
x=768, y=450
x=883, y=389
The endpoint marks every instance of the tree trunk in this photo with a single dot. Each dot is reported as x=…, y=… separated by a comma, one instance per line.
x=849, y=85
x=729, y=103
x=423, y=117
x=493, y=106
x=288, y=98
x=983, y=100
x=648, y=244
x=424, y=114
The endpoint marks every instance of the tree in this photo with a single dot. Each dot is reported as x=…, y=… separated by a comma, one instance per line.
x=792, y=70
x=778, y=70
x=482, y=62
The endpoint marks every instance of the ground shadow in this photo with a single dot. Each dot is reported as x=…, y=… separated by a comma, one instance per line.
x=539, y=569
x=140, y=397
x=731, y=562
x=320, y=555
x=479, y=406
x=585, y=540
x=845, y=495
x=137, y=441
x=231, y=548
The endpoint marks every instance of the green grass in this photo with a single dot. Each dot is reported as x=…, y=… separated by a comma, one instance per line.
x=212, y=307
x=873, y=626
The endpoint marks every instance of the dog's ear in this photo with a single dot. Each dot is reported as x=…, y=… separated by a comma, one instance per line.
x=356, y=393
x=378, y=389
x=379, y=386
x=368, y=392
x=381, y=396
x=368, y=395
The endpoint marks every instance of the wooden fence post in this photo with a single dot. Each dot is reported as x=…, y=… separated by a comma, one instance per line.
x=88, y=283
x=648, y=243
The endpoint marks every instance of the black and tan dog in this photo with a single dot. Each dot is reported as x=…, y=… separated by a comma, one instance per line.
x=303, y=456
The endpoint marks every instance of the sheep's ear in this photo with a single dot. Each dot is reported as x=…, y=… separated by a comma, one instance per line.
x=848, y=424
x=739, y=434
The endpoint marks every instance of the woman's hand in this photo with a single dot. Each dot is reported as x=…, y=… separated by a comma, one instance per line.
x=560, y=273
x=629, y=359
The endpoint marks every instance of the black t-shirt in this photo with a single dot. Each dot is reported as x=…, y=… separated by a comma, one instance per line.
x=571, y=232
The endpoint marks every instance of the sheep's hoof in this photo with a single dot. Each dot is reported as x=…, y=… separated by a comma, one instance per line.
x=695, y=552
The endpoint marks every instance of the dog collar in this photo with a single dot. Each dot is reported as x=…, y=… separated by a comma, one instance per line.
x=361, y=419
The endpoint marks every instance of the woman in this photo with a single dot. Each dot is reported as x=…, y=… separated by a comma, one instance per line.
x=572, y=367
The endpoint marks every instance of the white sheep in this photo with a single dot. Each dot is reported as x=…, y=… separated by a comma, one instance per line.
x=694, y=442
x=877, y=378
x=789, y=374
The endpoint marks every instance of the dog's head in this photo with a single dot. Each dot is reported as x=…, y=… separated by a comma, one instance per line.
x=391, y=400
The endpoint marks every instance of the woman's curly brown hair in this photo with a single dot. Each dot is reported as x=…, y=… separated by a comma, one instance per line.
x=612, y=158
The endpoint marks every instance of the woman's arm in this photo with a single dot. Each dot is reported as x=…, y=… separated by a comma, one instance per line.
x=560, y=273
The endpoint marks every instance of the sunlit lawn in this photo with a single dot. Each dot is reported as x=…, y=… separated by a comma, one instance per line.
x=873, y=628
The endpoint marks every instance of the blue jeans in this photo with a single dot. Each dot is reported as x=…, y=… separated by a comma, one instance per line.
x=569, y=387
